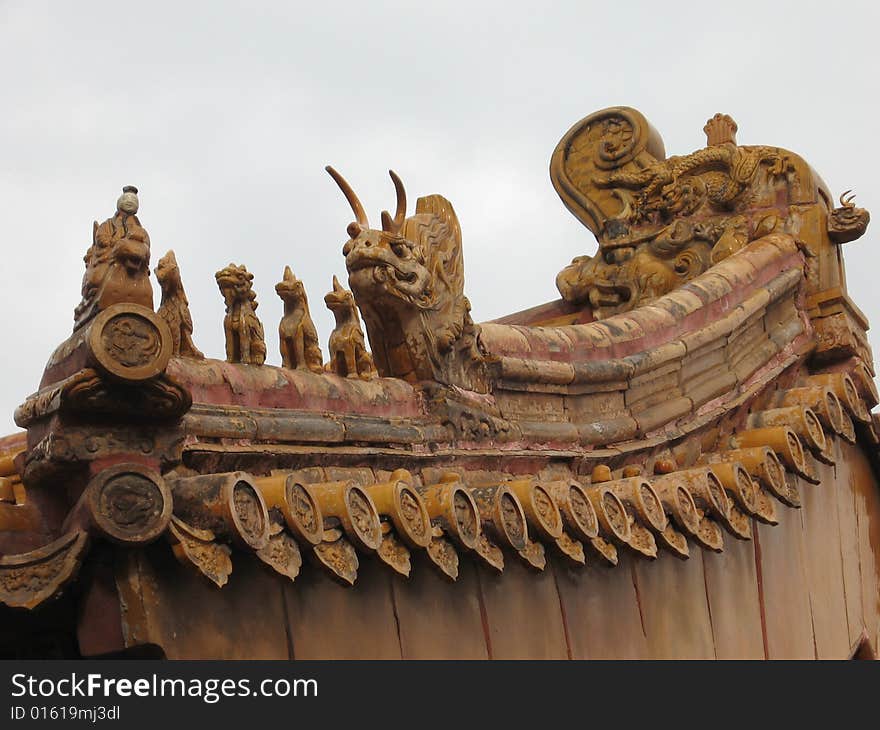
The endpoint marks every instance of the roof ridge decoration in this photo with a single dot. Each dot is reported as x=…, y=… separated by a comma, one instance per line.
x=661, y=221
x=713, y=361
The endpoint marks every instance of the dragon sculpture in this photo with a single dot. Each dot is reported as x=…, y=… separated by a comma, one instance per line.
x=660, y=222
x=408, y=281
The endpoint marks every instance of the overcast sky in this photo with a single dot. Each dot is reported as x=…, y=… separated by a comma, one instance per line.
x=224, y=114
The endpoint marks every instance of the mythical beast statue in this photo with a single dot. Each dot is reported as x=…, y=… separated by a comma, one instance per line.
x=408, y=281
x=174, y=308
x=245, y=339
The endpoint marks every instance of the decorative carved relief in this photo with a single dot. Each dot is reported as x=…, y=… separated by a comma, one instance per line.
x=408, y=280
x=299, y=510
x=161, y=398
x=489, y=552
x=129, y=343
x=196, y=548
x=453, y=510
x=469, y=424
x=338, y=556
x=348, y=351
x=847, y=223
x=502, y=515
x=229, y=505
x=660, y=222
x=399, y=501
x=117, y=262
x=129, y=503
x=443, y=556
x=88, y=393
x=282, y=555
x=570, y=548
x=29, y=579
x=533, y=555
x=174, y=308
x=345, y=504
x=394, y=553
x=296, y=333
x=245, y=340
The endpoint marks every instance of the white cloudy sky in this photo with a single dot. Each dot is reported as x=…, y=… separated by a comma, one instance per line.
x=225, y=113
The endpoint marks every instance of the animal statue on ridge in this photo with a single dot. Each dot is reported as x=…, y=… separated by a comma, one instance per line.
x=296, y=332
x=245, y=341
x=174, y=308
x=348, y=351
x=408, y=282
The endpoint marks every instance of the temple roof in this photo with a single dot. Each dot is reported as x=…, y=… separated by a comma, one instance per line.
x=697, y=372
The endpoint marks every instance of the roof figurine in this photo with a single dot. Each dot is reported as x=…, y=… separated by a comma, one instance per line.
x=682, y=444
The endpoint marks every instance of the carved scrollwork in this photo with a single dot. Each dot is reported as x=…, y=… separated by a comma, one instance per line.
x=847, y=223
x=660, y=222
x=159, y=398
x=29, y=579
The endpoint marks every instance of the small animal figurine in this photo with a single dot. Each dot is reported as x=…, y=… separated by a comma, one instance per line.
x=174, y=308
x=348, y=352
x=245, y=341
x=299, y=339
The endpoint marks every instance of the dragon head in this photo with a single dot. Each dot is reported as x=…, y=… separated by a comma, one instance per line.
x=384, y=262
x=408, y=281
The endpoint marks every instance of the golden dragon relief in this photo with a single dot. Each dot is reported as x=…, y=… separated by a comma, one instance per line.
x=662, y=221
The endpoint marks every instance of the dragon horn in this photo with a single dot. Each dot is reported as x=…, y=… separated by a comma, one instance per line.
x=389, y=225
x=350, y=196
x=288, y=274
x=336, y=285
x=400, y=212
x=848, y=203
